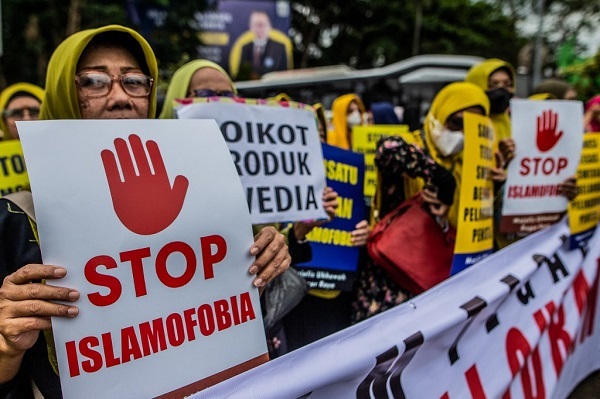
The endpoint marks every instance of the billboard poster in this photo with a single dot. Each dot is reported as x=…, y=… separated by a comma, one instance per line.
x=248, y=38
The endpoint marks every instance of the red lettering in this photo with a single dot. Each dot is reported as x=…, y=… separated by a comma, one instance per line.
x=474, y=383
x=85, y=348
x=518, y=348
x=222, y=314
x=161, y=264
x=130, y=348
x=103, y=280
x=190, y=323
x=153, y=337
x=546, y=166
x=175, y=331
x=206, y=320
x=136, y=257
x=235, y=310
x=587, y=327
x=246, y=309
x=581, y=289
x=72, y=359
x=109, y=354
x=209, y=259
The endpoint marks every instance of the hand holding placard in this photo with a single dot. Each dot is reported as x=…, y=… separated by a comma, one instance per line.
x=144, y=201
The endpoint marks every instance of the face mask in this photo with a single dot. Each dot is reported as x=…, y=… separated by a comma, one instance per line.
x=354, y=119
x=499, y=100
x=447, y=142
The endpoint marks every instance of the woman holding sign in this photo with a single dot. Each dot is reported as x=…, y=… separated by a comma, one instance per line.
x=103, y=73
x=431, y=164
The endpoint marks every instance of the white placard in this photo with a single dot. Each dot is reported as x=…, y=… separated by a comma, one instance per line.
x=160, y=259
x=549, y=137
x=277, y=153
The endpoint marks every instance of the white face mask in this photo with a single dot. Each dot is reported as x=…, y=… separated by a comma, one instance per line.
x=355, y=118
x=448, y=142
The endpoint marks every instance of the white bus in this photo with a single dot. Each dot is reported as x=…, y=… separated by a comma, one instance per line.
x=410, y=83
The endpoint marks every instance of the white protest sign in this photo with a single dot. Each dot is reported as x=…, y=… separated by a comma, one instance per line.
x=548, y=137
x=277, y=154
x=150, y=220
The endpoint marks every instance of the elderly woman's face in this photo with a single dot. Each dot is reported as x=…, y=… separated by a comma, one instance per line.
x=117, y=103
x=22, y=108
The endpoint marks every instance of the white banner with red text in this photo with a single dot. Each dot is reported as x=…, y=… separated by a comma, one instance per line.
x=522, y=323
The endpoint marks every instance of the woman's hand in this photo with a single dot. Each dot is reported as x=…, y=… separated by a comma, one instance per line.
x=568, y=188
x=26, y=306
x=272, y=256
x=360, y=234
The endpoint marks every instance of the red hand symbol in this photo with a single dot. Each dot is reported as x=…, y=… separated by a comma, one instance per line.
x=547, y=136
x=144, y=202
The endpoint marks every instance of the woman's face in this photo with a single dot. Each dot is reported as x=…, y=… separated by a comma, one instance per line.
x=211, y=82
x=500, y=79
x=116, y=104
x=22, y=108
x=455, y=122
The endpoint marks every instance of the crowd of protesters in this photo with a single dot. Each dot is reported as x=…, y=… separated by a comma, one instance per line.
x=111, y=73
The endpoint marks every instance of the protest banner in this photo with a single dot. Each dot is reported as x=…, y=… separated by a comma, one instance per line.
x=335, y=259
x=150, y=221
x=474, y=231
x=548, y=137
x=584, y=210
x=521, y=323
x=13, y=173
x=276, y=150
x=364, y=141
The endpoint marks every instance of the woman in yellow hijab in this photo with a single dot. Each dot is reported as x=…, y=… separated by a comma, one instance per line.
x=497, y=78
x=192, y=80
x=348, y=111
x=18, y=102
x=434, y=156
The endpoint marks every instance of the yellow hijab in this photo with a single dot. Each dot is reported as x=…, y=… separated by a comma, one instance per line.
x=339, y=135
x=7, y=95
x=60, y=100
x=180, y=83
x=479, y=74
x=452, y=98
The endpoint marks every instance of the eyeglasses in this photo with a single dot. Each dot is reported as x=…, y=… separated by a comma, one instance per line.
x=33, y=112
x=99, y=84
x=213, y=93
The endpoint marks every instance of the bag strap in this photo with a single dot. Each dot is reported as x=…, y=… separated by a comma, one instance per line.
x=24, y=200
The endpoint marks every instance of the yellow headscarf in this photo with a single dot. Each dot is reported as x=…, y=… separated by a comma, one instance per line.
x=180, y=83
x=451, y=99
x=479, y=74
x=8, y=94
x=339, y=135
x=60, y=100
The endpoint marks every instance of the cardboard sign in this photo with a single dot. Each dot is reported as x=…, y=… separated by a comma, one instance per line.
x=474, y=232
x=149, y=219
x=335, y=260
x=364, y=141
x=584, y=210
x=277, y=154
x=13, y=172
x=548, y=137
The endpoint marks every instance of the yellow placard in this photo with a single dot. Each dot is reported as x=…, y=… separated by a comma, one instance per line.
x=364, y=141
x=474, y=232
x=13, y=173
x=584, y=210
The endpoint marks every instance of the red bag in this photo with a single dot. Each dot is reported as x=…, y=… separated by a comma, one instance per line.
x=411, y=246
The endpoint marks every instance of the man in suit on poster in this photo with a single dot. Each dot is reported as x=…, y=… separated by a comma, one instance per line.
x=263, y=54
